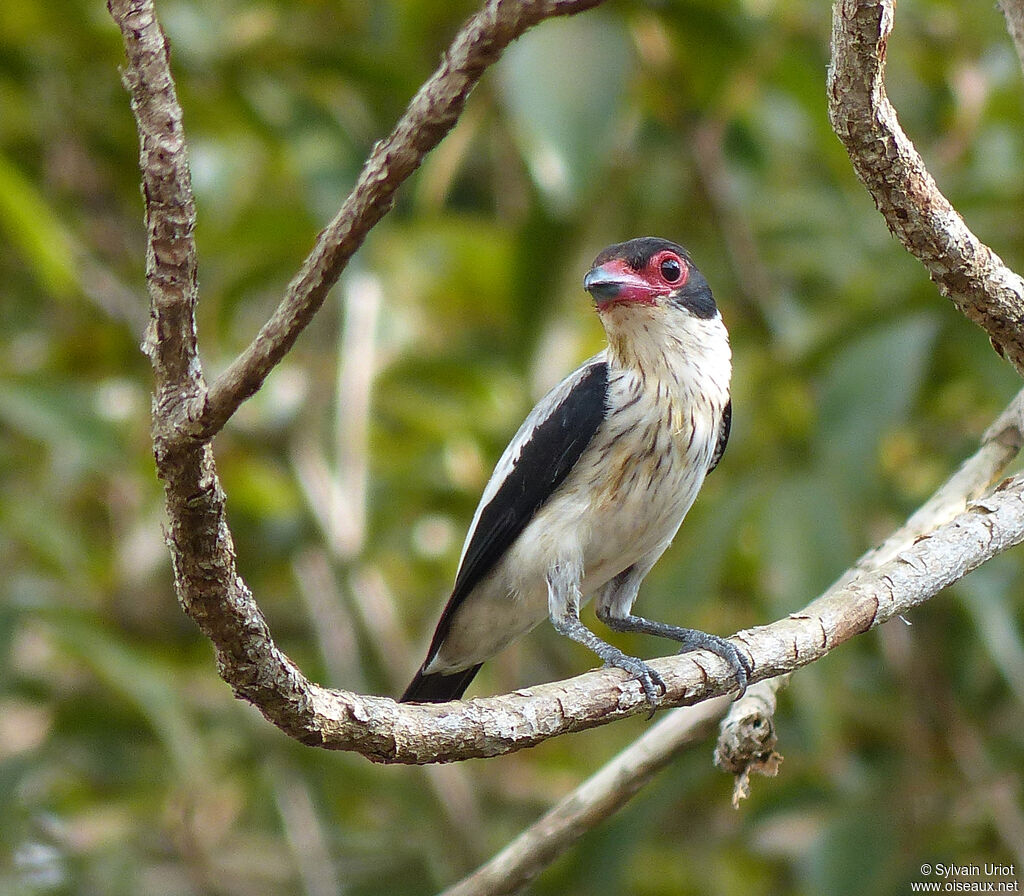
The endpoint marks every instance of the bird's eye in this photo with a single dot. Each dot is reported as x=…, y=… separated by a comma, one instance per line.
x=671, y=270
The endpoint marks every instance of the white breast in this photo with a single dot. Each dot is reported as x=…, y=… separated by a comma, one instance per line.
x=625, y=498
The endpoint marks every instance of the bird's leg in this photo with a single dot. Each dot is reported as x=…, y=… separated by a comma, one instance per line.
x=564, y=610
x=689, y=639
x=613, y=609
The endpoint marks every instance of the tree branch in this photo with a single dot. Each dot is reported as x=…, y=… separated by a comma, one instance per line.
x=966, y=270
x=202, y=554
x=170, y=340
x=217, y=599
x=385, y=731
x=601, y=795
x=428, y=118
x=746, y=742
x=936, y=560
x=747, y=739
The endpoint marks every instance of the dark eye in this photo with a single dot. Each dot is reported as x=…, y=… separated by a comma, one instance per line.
x=671, y=270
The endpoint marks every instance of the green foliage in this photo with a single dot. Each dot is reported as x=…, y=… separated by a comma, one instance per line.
x=125, y=764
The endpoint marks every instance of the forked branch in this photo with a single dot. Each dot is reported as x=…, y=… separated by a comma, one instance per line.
x=428, y=118
x=186, y=416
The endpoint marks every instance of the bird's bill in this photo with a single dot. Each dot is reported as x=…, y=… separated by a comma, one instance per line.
x=614, y=282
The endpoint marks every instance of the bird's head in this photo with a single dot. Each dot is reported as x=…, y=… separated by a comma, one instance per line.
x=649, y=272
x=649, y=293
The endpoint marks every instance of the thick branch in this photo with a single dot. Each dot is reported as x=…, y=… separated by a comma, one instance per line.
x=965, y=269
x=202, y=553
x=386, y=731
x=428, y=118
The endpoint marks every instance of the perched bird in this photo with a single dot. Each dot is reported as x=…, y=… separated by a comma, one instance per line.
x=593, y=487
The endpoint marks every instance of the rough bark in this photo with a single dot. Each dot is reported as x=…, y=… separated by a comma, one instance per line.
x=965, y=270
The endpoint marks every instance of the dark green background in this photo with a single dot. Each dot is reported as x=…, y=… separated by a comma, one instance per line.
x=125, y=765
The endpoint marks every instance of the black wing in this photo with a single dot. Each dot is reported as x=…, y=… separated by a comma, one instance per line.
x=547, y=450
x=545, y=459
x=723, y=435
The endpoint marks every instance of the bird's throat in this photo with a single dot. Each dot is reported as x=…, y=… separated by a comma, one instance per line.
x=668, y=347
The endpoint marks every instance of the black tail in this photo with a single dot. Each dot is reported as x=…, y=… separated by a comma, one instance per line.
x=438, y=688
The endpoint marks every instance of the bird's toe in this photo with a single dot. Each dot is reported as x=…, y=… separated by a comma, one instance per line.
x=741, y=666
x=651, y=681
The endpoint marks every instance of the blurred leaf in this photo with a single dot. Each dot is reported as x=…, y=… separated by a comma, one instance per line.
x=149, y=683
x=987, y=594
x=871, y=385
x=806, y=542
x=836, y=863
x=564, y=86
x=63, y=417
x=33, y=228
x=446, y=271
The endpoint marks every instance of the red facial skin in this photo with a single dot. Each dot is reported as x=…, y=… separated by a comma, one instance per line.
x=616, y=283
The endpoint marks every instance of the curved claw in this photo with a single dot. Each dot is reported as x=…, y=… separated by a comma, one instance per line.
x=741, y=666
x=649, y=679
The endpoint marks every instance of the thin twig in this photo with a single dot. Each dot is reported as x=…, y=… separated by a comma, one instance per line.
x=305, y=833
x=357, y=365
x=329, y=618
x=335, y=483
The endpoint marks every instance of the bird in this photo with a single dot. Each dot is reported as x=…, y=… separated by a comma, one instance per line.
x=595, y=484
